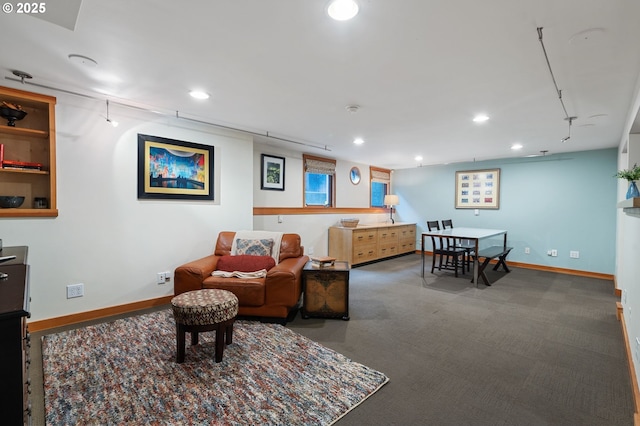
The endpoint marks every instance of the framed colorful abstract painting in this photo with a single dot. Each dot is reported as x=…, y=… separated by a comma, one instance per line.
x=173, y=169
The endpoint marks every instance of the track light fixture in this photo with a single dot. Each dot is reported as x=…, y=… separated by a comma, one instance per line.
x=570, y=120
x=113, y=122
x=22, y=75
x=558, y=91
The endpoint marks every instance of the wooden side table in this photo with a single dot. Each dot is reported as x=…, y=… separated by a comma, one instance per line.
x=326, y=291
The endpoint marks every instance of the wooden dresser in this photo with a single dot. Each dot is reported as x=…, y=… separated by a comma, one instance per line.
x=366, y=243
x=14, y=338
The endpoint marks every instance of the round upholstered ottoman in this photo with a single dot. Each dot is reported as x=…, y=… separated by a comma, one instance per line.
x=204, y=310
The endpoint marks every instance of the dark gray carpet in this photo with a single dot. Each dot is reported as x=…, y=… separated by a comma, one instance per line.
x=536, y=348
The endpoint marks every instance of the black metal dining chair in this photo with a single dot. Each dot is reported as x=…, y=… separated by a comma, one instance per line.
x=448, y=257
x=466, y=245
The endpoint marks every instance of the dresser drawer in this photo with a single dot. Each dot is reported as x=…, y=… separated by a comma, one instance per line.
x=365, y=237
x=407, y=233
x=365, y=253
x=388, y=249
x=407, y=246
x=387, y=235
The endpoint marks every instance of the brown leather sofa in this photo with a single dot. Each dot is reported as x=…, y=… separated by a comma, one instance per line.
x=275, y=296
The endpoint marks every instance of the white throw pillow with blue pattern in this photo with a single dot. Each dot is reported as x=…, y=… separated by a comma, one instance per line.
x=254, y=247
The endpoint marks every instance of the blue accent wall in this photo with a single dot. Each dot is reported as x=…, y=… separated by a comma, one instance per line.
x=565, y=202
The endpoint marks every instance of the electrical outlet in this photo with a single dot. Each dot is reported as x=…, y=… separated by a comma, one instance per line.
x=161, y=278
x=167, y=277
x=554, y=253
x=527, y=250
x=574, y=254
x=75, y=290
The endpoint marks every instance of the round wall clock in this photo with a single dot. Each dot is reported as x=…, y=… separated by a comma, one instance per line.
x=354, y=175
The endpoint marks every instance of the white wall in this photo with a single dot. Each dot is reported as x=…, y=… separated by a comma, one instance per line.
x=104, y=236
x=628, y=248
x=313, y=229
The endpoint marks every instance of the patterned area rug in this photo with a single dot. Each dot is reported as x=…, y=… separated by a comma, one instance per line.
x=124, y=372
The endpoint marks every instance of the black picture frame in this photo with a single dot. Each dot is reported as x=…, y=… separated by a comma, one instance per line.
x=174, y=169
x=272, y=170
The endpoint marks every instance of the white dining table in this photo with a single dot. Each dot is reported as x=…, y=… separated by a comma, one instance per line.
x=473, y=234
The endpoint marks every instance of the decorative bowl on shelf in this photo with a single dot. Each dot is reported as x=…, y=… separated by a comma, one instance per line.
x=349, y=223
x=12, y=115
x=11, y=201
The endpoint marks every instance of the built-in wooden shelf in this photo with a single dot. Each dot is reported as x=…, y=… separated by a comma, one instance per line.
x=32, y=139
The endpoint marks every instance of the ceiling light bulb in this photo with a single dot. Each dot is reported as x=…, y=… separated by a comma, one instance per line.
x=342, y=10
x=198, y=94
x=480, y=118
x=113, y=122
x=516, y=146
x=358, y=141
x=418, y=158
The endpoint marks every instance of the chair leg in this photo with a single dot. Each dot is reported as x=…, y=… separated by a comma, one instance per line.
x=433, y=261
x=455, y=265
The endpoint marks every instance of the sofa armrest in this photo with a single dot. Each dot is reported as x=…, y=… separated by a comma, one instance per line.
x=190, y=276
x=284, y=281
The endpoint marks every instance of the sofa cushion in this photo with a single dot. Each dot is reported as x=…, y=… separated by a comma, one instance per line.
x=260, y=247
x=245, y=263
x=250, y=292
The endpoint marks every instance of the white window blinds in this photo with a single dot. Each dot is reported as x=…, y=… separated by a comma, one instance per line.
x=380, y=175
x=319, y=165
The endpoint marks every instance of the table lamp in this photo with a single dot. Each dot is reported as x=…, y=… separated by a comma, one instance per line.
x=391, y=200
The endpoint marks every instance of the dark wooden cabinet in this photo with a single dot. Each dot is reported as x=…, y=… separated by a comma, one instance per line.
x=326, y=291
x=14, y=338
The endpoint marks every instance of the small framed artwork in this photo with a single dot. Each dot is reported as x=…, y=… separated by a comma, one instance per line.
x=173, y=169
x=272, y=173
x=478, y=189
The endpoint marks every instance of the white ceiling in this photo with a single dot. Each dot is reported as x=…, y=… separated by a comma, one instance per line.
x=419, y=70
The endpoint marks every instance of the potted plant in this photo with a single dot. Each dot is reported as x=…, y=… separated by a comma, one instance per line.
x=630, y=175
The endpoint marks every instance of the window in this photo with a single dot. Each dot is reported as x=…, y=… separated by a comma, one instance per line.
x=380, y=183
x=319, y=181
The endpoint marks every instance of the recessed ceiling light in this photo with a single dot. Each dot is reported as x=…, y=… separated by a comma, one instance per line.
x=358, y=141
x=342, y=10
x=418, y=158
x=199, y=94
x=480, y=118
x=516, y=146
